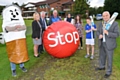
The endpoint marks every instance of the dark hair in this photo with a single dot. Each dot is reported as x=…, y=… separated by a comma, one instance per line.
x=88, y=18
x=69, y=13
x=79, y=19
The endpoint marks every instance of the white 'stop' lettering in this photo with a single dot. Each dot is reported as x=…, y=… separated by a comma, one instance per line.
x=74, y=37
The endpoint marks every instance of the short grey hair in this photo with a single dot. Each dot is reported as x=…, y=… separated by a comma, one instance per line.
x=106, y=12
x=42, y=12
x=55, y=11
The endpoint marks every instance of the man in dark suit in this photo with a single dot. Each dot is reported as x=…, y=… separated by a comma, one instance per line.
x=44, y=25
x=107, y=43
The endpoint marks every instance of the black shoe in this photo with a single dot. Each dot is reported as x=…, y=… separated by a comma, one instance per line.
x=24, y=69
x=99, y=68
x=14, y=73
x=106, y=75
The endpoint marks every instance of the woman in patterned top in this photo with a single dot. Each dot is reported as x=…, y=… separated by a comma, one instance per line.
x=78, y=25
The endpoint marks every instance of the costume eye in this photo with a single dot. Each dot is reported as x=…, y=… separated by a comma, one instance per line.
x=11, y=13
x=17, y=13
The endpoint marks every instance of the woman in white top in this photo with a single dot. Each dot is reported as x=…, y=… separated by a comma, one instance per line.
x=69, y=19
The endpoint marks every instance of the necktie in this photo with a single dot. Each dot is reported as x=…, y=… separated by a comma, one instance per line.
x=43, y=24
x=104, y=34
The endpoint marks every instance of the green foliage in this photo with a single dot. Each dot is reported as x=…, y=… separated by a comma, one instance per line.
x=95, y=10
x=100, y=10
x=80, y=7
x=112, y=6
x=92, y=11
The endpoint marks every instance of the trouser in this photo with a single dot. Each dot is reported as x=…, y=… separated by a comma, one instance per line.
x=40, y=48
x=105, y=56
x=81, y=43
x=13, y=65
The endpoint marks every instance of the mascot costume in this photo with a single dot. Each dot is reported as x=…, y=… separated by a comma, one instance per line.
x=14, y=34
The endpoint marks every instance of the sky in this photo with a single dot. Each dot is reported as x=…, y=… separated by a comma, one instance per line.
x=93, y=3
x=96, y=3
x=20, y=2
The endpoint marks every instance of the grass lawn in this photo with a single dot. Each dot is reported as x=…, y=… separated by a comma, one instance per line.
x=116, y=60
x=75, y=67
x=0, y=25
x=5, y=72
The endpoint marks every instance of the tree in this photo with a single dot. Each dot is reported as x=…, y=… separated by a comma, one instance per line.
x=112, y=6
x=92, y=10
x=95, y=10
x=100, y=10
x=80, y=6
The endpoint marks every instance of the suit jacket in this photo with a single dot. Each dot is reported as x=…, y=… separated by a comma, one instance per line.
x=41, y=22
x=36, y=30
x=113, y=33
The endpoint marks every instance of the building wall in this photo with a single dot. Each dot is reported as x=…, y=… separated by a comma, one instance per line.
x=57, y=5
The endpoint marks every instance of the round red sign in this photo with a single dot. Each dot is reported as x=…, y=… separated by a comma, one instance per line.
x=61, y=39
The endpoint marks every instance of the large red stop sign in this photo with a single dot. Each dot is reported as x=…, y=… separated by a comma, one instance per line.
x=61, y=39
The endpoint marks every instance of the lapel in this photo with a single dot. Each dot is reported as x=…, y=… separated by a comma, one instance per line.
x=111, y=28
x=101, y=28
x=41, y=21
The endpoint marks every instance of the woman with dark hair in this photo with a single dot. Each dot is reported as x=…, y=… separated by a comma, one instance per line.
x=69, y=19
x=78, y=25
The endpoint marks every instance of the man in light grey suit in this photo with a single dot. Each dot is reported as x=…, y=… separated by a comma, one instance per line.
x=107, y=44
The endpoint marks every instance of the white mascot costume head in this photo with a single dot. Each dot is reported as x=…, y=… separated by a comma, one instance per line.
x=12, y=17
x=14, y=37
